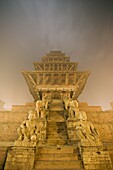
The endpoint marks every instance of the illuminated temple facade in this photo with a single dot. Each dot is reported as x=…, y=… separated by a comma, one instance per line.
x=56, y=131
x=55, y=76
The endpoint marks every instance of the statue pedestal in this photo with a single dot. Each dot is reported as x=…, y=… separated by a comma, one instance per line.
x=20, y=158
x=71, y=122
x=95, y=157
x=25, y=144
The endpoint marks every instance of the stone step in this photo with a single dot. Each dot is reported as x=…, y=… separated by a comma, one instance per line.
x=60, y=126
x=60, y=169
x=57, y=156
x=50, y=123
x=56, y=105
x=50, y=133
x=61, y=135
x=57, y=130
x=57, y=141
x=55, y=135
x=52, y=128
x=57, y=149
x=56, y=108
x=55, y=119
x=56, y=113
x=57, y=164
x=56, y=102
x=57, y=138
x=57, y=126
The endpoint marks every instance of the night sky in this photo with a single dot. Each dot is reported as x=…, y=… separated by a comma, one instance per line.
x=83, y=29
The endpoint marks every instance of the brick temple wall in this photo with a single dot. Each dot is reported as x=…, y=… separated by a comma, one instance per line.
x=11, y=120
x=103, y=121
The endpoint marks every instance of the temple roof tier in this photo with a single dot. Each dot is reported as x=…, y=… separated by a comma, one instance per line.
x=56, y=73
x=55, y=81
x=60, y=66
x=55, y=56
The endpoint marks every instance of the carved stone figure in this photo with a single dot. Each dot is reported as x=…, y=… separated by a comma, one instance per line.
x=86, y=131
x=71, y=106
x=41, y=130
x=40, y=108
x=66, y=101
x=38, y=96
x=74, y=96
x=28, y=128
x=46, y=99
x=71, y=112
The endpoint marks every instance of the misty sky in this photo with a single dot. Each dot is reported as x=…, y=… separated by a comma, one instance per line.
x=83, y=29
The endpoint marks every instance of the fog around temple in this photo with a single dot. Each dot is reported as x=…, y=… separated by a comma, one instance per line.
x=81, y=29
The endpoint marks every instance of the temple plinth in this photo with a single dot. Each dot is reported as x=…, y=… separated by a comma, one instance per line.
x=56, y=131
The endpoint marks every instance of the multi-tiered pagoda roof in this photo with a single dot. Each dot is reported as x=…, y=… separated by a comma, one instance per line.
x=56, y=73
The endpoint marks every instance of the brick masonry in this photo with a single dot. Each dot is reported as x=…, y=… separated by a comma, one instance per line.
x=10, y=121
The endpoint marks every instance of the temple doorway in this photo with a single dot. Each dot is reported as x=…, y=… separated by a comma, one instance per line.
x=56, y=95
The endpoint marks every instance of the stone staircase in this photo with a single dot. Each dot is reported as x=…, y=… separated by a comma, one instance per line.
x=56, y=126
x=63, y=157
x=56, y=105
x=56, y=133
x=57, y=154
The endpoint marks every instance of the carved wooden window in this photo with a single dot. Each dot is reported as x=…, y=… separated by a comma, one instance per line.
x=51, y=67
x=64, y=67
x=40, y=79
x=55, y=67
x=60, y=67
x=55, y=79
x=48, y=79
x=63, y=78
x=46, y=66
x=71, y=79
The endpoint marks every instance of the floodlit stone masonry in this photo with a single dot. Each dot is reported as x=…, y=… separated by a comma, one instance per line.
x=56, y=130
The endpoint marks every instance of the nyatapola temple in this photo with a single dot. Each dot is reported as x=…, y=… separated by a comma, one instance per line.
x=56, y=131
